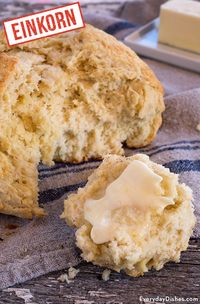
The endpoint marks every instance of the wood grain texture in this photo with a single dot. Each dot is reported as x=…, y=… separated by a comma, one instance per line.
x=181, y=280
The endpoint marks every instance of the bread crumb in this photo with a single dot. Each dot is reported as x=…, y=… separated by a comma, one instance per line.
x=198, y=127
x=68, y=277
x=106, y=275
x=72, y=272
x=64, y=278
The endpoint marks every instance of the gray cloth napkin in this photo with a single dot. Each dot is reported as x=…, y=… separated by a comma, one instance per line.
x=32, y=248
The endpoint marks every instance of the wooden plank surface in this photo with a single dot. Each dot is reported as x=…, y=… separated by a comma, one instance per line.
x=180, y=280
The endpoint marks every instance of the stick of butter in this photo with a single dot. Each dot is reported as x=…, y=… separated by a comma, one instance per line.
x=180, y=24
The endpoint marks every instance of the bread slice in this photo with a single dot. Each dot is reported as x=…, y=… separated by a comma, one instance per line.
x=75, y=96
x=142, y=239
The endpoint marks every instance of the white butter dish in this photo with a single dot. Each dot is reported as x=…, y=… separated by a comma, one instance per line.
x=145, y=42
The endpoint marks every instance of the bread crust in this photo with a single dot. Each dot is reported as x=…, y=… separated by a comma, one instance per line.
x=7, y=67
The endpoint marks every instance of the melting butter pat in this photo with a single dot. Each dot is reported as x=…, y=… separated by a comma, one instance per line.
x=180, y=24
x=137, y=187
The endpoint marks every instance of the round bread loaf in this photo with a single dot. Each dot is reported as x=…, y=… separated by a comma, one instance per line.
x=71, y=97
x=143, y=236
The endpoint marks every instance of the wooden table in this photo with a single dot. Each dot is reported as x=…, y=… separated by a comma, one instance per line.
x=180, y=280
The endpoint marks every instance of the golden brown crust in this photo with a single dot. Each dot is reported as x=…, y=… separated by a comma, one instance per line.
x=7, y=66
x=24, y=212
x=150, y=77
x=18, y=186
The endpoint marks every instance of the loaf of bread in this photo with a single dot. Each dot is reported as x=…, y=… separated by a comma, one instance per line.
x=71, y=97
x=145, y=234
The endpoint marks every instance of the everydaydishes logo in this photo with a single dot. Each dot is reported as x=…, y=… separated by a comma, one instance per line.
x=44, y=24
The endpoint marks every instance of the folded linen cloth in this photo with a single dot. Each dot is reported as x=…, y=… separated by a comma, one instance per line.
x=32, y=248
